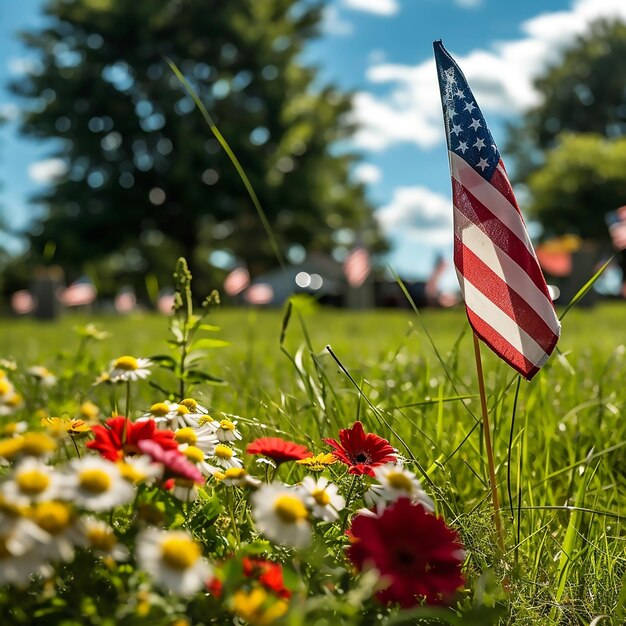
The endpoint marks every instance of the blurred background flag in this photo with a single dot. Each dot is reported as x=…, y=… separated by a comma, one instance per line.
x=79, y=293
x=356, y=267
x=260, y=293
x=236, y=281
x=506, y=297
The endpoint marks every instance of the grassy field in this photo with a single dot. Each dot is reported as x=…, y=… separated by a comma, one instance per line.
x=561, y=469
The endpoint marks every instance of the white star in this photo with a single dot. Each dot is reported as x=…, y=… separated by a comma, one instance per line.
x=459, y=93
x=462, y=146
x=449, y=74
x=480, y=144
x=475, y=124
x=483, y=164
x=493, y=145
x=456, y=129
x=469, y=107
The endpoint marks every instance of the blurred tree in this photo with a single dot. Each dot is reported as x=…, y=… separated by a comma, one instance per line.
x=585, y=92
x=583, y=177
x=146, y=181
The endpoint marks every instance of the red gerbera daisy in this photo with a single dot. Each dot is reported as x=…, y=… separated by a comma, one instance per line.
x=120, y=437
x=361, y=451
x=414, y=551
x=278, y=449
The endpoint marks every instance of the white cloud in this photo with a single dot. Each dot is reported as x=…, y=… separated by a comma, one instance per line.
x=501, y=78
x=379, y=7
x=368, y=173
x=334, y=23
x=418, y=212
x=46, y=171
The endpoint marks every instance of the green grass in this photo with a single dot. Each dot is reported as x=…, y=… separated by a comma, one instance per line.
x=565, y=560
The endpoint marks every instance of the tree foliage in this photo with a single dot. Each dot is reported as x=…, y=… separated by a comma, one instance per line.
x=569, y=149
x=584, y=92
x=146, y=181
x=584, y=177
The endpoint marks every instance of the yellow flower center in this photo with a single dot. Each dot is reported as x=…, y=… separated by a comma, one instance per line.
x=130, y=473
x=33, y=482
x=205, y=419
x=227, y=425
x=186, y=435
x=194, y=454
x=11, y=428
x=399, y=481
x=10, y=447
x=5, y=387
x=37, y=444
x=219, y=475
x=159, y=409
x=223, y=452
x=321, y=497
x=182, y=410
x=236, y=473
x=290, y=509
x=94, y=480
x=190, y=403
x=53, y=517
x=101, y=538
x=127, y=363
x=179, y=553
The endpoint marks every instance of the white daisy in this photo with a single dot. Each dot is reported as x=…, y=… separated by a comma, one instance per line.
x=10, y=403
x=226, y=457
x=59, y=521
x=281, y=515
x=238, y=477
x=139, y=469
x=174, y=560
x=184, y=490
x=126, y=368
x=99, y=484
x=18, y=569
x=193, y=406
x=227, y=431
x=34, y=481
x=322, y=497
x=394, y=481
x=203, y=438
x=101, y=539
x=42, y=375
x=6, y=387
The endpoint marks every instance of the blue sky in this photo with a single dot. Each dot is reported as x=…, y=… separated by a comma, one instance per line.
x=382, y=50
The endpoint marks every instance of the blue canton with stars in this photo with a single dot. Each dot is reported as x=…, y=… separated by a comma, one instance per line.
x=466, y=131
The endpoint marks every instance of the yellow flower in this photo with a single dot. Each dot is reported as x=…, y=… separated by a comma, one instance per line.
x=257, y=607
x=37, y=444
x=58, y=426
x=9, y=448
x=319, y=462
x=89, y=411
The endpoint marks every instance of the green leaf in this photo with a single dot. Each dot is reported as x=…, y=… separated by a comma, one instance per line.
x=197, y=376
x=164, y=360
x=209, y=344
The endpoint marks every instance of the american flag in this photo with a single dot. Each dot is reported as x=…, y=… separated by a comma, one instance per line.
x=505, y=293
x=356, y=266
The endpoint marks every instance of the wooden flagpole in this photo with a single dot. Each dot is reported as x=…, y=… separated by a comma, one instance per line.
x=487, y=434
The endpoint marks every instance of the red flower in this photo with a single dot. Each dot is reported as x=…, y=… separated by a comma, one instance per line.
x=361, y=451
x=121, y=437
x=278, y=449
x=269, y=574
x=414, y=551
